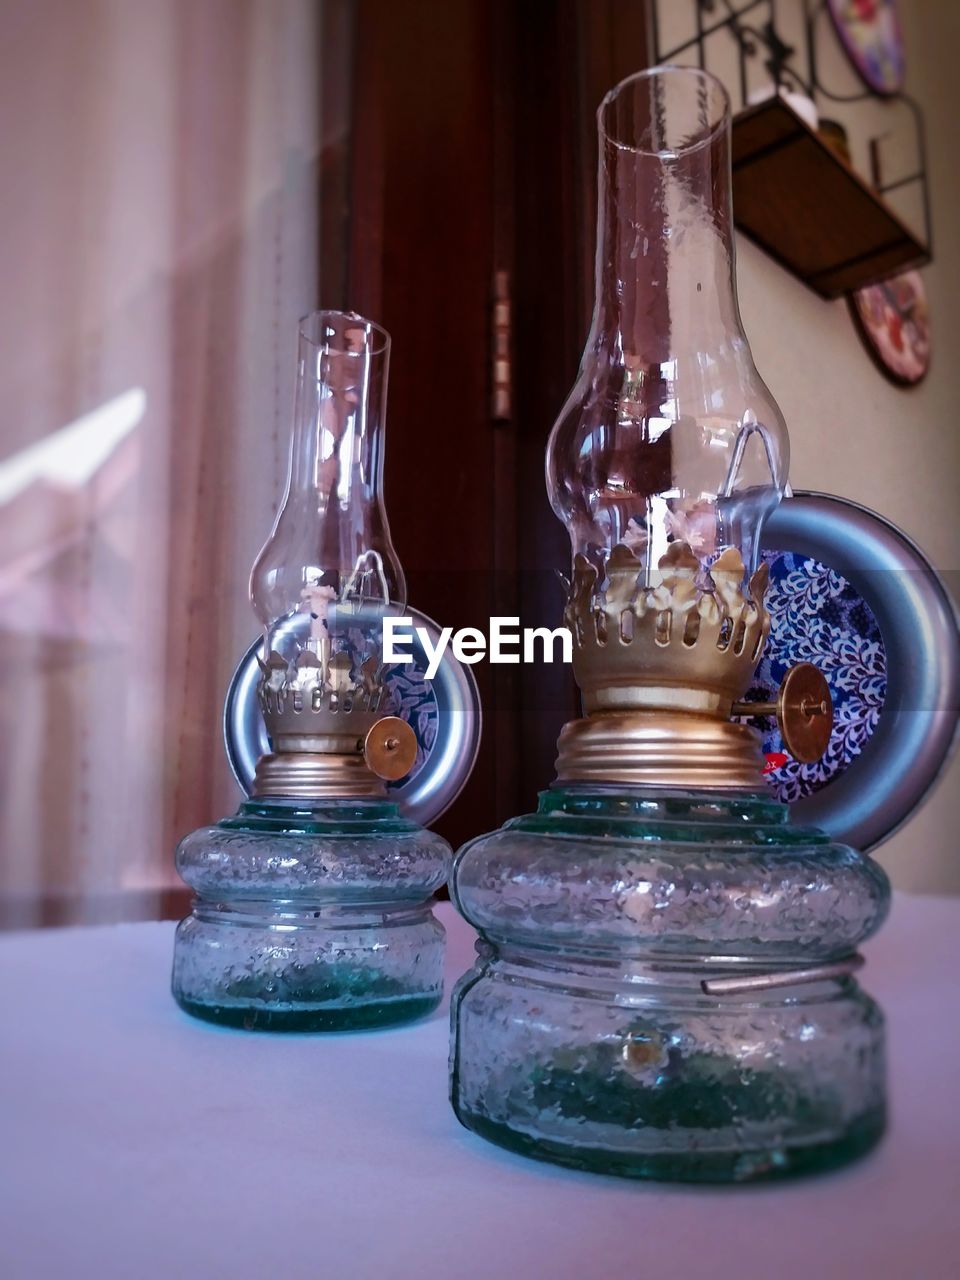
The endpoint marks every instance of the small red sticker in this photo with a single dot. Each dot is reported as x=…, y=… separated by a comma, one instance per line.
x=775, y=760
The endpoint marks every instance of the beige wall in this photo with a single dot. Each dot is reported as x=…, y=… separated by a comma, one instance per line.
x=856, y=434
x=852, y=432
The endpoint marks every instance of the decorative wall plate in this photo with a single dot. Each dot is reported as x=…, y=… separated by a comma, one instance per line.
x=444, y=713
x=894, y=322
x=857, y=598
x=869, y=31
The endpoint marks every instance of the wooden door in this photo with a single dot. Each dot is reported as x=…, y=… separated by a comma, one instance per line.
x=470, y=173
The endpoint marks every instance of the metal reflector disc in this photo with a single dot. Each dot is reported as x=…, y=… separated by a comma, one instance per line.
x=443, y=713
x=850, y=593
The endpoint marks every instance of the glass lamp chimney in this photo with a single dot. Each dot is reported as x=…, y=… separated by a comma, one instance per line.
x=669, y=432
x=330, y=553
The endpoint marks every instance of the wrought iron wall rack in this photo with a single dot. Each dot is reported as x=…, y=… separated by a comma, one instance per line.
x=794, y=195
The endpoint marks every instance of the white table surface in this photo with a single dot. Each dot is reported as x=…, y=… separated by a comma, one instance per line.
x=136, y=1142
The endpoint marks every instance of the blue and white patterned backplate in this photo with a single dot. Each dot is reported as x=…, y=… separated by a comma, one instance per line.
x=817, y=616
x=854, y=595
x=411, y=696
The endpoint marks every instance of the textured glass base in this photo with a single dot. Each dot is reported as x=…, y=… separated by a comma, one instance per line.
x=311, y=918
x=584, y=1034
x=286, y=973
x=642, y=1075
x=692, y=1166
x=382, y=1013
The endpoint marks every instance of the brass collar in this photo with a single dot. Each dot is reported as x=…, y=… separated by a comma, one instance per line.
x=315, y=775
x=661, y=748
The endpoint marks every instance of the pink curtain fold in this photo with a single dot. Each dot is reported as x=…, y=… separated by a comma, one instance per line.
x=160, y=171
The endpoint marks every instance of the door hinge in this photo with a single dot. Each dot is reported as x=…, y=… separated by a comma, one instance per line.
x=501, y=397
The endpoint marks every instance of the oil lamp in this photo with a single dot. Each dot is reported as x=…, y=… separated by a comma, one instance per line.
x=312, y=903
x=663, y=985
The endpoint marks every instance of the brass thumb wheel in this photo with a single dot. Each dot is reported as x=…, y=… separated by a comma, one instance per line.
x=390, y=748
x=804, y=711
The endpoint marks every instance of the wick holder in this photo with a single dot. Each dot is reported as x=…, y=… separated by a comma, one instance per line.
x=326, y=727
x=690, y=642
x=660, y=667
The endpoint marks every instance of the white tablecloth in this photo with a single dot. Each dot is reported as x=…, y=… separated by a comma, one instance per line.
x=136, y=1142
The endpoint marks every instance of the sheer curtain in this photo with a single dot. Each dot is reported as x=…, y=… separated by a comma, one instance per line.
x=160, y=166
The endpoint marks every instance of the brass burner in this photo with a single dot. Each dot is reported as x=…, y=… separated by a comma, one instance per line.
x=661, y=663
x=690, y=640
x=324, y=722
